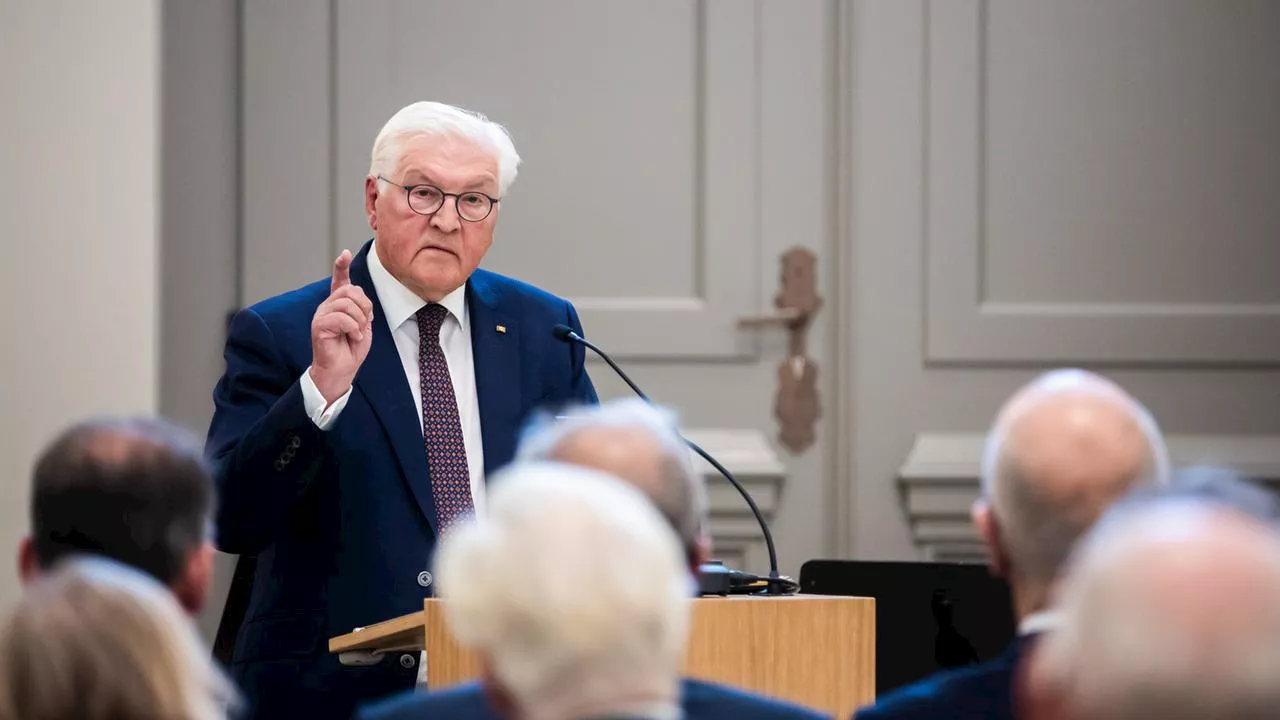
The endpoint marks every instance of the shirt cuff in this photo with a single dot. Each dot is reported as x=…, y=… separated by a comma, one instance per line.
x=314, y=403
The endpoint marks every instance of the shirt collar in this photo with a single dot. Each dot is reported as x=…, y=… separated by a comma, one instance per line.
x=399, y=303
x=1038, y=622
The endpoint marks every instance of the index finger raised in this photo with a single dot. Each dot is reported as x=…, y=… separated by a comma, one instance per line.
x=341, y=271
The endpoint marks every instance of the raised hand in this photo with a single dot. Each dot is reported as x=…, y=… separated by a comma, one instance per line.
x=341, y=333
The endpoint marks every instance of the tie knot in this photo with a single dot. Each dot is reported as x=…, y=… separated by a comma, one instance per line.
x=430, y=318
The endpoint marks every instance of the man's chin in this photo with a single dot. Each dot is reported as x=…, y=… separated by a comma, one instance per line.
x=434, y=282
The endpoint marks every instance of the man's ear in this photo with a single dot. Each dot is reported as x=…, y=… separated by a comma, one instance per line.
x=191, y=587
x=28, y=566
x=370, y=201
x=701, y=551
x=988, y=528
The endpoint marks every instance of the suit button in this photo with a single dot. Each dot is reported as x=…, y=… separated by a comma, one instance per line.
x=407, y=660
x=424, y=579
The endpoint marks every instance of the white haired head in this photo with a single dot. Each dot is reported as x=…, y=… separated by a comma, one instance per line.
x=438, y=119
x=1170, y=610
x=96, y=638
x=1062, y=449
x=638, y=443
x=573, y=589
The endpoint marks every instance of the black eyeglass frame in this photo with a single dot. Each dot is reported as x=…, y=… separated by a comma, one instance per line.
x=444, y=196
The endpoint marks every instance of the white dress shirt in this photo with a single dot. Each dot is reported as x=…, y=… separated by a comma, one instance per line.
x=399, y=309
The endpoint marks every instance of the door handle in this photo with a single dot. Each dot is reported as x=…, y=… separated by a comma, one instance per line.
x=784, y=316
x=796, y=404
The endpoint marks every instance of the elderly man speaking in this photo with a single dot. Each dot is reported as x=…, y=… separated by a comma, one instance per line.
x=359, y=415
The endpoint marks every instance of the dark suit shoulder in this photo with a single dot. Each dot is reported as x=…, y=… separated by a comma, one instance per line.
x=287, y=317
x=978, y=691
x=510, y=286
x=701, y=701
x=464, y=702
x=710, y=700
x=292, y=305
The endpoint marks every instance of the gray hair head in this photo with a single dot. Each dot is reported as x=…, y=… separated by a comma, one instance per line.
x=1169, y=610
x=680, y=492
x=572, y=587
x=1219, y=486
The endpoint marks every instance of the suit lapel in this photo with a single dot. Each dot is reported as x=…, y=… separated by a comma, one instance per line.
x=495, y=347
x=382, y=381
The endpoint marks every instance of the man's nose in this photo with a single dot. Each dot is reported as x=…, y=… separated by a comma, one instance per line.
x=446, y=218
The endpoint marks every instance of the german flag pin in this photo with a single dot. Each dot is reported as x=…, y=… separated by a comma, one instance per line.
x=502, y=329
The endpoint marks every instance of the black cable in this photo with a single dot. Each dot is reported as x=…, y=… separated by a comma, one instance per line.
x=774, y=577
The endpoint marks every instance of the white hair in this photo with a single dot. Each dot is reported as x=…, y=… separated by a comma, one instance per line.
x=573, y=587
x=683, y=495
x=1170, y=610
x=1037, y=532
x=96, y=636
x=438, y=119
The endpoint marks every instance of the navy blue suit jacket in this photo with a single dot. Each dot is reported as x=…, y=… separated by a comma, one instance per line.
x=700, y=700
x=978, y=692
x=342, y=521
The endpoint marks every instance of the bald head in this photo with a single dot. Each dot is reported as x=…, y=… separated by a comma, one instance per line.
x=1171, y=610
x=1061, y=451
x=640, y=444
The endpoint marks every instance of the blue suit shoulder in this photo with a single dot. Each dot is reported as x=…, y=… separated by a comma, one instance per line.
x=293, y=306
x=463, y=702
x=514, y=293
x=711, y=700
x=288, y=315
x=508, y=284
x=701, y=701
x=303, y=300
x=983, y=691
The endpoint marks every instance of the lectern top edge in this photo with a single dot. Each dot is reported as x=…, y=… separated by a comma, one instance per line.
x=402, y=633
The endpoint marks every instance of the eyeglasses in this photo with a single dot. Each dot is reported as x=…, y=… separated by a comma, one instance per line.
x=428, y=199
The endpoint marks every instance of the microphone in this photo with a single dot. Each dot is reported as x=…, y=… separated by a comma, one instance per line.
x=564, y=333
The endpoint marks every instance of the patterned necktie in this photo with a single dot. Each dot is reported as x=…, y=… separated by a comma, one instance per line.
x=441, y=428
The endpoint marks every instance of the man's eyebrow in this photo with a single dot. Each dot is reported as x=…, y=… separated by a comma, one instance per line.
x=422, y=177
x=419, y=176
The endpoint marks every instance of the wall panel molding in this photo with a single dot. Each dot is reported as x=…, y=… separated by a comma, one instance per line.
x=748, y=454
x=939, y=480
x=963, y=327
x=725, y=110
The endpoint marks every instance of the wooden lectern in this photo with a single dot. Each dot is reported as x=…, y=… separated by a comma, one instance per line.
x=817, y=651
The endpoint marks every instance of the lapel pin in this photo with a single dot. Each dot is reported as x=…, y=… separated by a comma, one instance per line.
x=502, y=329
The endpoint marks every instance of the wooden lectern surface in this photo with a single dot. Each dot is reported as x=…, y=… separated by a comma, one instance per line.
x=816, y=651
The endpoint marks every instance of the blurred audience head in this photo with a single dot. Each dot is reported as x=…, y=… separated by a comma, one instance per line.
x=134, y=490
x=640, y=444
x=97, y=640
x=1218, y=486
x=574, y=591
x=1061, y=450
x=1170, y=610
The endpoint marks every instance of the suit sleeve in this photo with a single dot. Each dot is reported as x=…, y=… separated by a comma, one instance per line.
x=581, y=390
x=264, y=448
